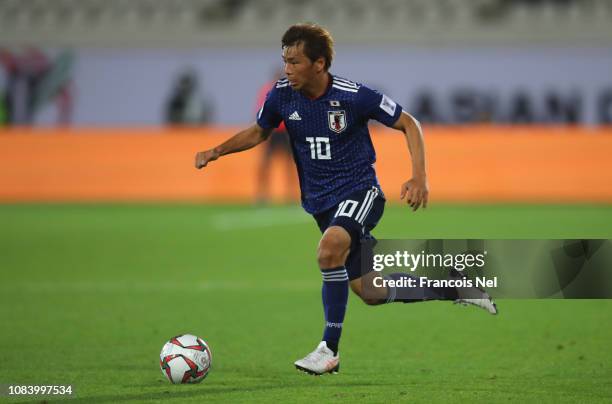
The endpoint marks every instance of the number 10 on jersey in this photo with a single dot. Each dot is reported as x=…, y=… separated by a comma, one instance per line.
x=319, y=148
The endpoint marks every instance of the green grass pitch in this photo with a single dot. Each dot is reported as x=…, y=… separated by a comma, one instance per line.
x=89, y=294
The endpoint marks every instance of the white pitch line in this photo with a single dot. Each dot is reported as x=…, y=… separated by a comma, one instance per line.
x=259, y=217
x=152, y=287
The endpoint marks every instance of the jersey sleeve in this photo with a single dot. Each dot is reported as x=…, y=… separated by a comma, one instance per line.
x=374, y=105
x=268, y=116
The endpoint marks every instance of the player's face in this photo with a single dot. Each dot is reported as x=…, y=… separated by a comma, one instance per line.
x=299, y=69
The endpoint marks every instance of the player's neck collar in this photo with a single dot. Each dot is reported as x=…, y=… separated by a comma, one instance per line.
x=329, y=84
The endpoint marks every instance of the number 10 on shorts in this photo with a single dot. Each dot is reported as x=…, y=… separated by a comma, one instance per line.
x=319, y=148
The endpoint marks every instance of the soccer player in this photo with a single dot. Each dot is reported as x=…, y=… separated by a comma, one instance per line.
x=326, y=117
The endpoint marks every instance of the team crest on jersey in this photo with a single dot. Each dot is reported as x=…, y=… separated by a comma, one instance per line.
x=337, y=120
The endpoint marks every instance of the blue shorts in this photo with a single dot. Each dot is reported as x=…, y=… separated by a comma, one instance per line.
x=358, y=214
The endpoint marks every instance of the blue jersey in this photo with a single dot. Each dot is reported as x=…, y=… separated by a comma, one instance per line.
x=329, y=135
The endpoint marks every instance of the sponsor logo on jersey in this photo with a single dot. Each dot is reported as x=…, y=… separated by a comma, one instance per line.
x=337, y=120
x=334, y=103
x=295, y=116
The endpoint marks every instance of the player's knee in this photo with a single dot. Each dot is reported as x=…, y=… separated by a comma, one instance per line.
x=329, y=256
x=325, y=257
x=333, y=248
x=366, y=298
x=367, y=295
x=370, y=301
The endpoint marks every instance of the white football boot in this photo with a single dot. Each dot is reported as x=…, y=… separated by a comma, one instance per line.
x=486, y=303
x=319, y=361
x=474, y=296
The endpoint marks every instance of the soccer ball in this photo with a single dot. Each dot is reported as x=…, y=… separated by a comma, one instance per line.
x=185, y=359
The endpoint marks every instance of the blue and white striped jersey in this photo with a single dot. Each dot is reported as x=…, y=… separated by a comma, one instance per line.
x=329, y=135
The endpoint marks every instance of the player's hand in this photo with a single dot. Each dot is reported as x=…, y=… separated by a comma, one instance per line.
x=416, y=192
x=204, y=157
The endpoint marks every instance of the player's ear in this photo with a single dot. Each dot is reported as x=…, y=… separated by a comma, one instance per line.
x=320, y=64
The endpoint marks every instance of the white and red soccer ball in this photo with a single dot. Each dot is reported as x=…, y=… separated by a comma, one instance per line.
x=185, y=359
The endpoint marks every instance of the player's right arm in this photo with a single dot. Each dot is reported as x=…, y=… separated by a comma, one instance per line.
x=241, y=141
x=268, y=118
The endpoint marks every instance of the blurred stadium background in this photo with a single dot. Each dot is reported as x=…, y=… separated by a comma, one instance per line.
x=107, y=231
x=533, y=76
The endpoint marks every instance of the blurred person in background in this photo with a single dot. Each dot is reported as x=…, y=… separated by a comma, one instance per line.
x=3, y=100
x=33, y=79
x=187, y=104
x=3, y=112
x=278, y=144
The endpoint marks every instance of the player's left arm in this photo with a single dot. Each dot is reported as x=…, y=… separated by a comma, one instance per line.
x=416, y=190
